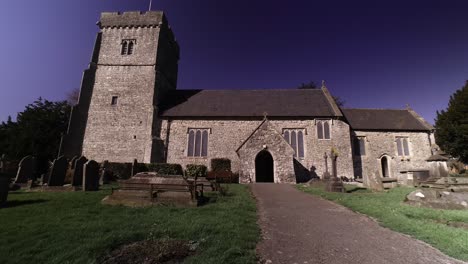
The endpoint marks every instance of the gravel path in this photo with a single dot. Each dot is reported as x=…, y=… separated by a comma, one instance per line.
x=301, y=228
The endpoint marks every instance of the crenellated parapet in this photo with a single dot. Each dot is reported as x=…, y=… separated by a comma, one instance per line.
x=132, y=19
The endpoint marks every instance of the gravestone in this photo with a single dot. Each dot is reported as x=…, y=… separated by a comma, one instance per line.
x=72, y=162
x=91, y=176
x=58, y=171
x=70, y=170
x=26, y=170
x=134, y=167
x=78, y=171
x=105, y=174
x=375, y=182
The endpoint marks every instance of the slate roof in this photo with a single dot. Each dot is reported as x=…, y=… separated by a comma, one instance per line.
x=247, y=103
x=384, y=119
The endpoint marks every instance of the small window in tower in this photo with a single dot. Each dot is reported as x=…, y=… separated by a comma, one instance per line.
x=128, y=46
x=114, y=100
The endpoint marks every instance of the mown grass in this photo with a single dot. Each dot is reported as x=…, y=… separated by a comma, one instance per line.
x=429, y=225
x=74, y=227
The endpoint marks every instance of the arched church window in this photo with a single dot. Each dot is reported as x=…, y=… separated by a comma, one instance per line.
x=300, y=144
x=323, y=129
x=319, y=130
x=204, y=150
x=197, y=142
x=191, y=142
x=295, y=138
x=326, y=130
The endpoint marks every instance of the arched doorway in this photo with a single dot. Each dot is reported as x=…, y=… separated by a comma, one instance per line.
x=384, y=166
x=264, y=167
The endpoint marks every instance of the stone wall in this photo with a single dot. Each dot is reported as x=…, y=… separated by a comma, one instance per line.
x=228, y=135
x=379, y=144
x=129, y=129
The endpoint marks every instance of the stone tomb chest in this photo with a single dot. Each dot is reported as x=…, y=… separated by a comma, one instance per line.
x=149, y=188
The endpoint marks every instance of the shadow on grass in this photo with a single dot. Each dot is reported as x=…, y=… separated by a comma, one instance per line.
x=357, y=189
x=16, y=203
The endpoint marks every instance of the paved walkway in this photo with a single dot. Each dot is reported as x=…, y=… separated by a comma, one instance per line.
x=301, y=228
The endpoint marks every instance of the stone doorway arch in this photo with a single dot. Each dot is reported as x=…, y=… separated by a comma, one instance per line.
x=264, y=167
x=384, y=166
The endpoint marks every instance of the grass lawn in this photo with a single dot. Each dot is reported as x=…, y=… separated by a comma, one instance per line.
x=425, y=224
x=74, y=227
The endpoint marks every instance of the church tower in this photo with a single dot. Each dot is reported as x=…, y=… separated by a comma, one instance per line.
x=135, y=61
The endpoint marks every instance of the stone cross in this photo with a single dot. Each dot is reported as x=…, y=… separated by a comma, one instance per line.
x=325, y=156
x=334, y=169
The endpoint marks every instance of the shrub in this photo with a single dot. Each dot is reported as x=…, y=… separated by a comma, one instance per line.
x=165, y=168
x=120, y=170
x=221, y=165
x=195, y=171
x=223, y=176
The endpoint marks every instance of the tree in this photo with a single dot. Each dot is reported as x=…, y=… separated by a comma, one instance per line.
x=37, y=131
x=311, y=85
x=73, y=96
x=452, y=125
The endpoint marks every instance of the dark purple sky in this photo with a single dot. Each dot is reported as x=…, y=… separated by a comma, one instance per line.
x=371, y=54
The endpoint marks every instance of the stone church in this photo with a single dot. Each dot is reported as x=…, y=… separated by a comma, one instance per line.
x=130, y=108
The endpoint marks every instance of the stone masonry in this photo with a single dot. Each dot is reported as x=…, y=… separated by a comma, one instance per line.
x=122, y=115
x=123, y=130
x=228, y=135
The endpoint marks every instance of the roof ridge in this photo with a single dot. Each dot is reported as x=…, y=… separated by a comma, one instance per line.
x=383, y=109
x=267, y=89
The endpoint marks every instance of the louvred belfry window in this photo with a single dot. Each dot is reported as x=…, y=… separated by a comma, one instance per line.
x=197, y=145
x=128, y=46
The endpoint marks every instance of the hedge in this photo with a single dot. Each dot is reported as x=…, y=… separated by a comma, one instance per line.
x=221, y=165
x=195, y=171
x=120, y=170
x=165, y=168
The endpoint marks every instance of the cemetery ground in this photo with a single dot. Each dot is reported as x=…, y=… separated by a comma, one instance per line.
x=446, y=230
x=74, y=227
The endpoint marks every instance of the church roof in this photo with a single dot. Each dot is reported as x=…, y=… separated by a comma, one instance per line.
x=249, y=103
x=385, y=119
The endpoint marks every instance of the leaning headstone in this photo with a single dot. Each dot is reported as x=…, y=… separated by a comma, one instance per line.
x=72, y=162
x=26, y=170
x=91, y=176
x=57, y=174
x=134, y=167
x=70, y=170
x=78, y=171
x=375, y=182
x=105, y=174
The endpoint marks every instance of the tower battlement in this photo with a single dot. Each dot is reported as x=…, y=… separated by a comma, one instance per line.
x=132, y=19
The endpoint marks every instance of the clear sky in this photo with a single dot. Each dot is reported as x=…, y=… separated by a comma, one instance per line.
x=372, y=54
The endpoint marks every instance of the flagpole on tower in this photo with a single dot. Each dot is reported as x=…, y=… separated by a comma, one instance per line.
x=151, y=1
